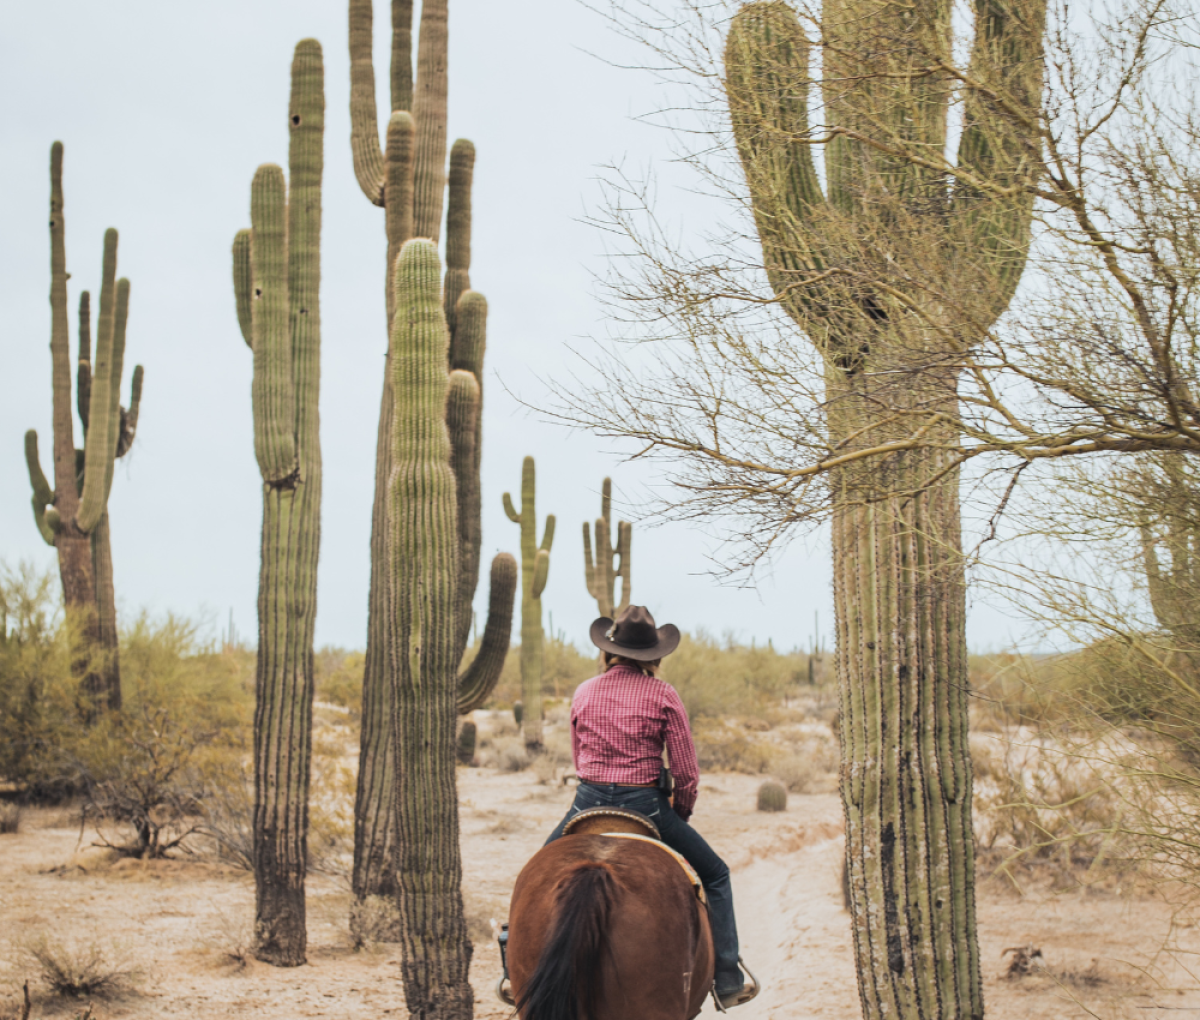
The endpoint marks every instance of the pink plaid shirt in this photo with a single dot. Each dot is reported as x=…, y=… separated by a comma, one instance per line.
x=620, y=722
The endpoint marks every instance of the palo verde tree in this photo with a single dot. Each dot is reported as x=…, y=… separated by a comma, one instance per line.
x=277, y=283
x=408, y=178
x=73, y=516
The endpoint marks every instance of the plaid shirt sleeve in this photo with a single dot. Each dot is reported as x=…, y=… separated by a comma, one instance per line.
x=682, y=751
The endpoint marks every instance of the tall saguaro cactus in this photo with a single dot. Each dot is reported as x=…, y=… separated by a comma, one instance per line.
x=611, y=562
x=73, y=516
x=408, y=178
x=841, y=262
x=423, y=511
x=277, y=283
x=535, y=568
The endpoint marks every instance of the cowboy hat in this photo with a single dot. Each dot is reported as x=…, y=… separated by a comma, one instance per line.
x=634, y=636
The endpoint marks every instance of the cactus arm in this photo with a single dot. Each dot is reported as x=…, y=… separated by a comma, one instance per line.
x=242, y=284
x=478, y=680
x=1007, y=54
x=541, y=572
x=100, y=439
x=604, y=566
x=462, y=412
x=398, y=189
x=624, y=544
x=43, y=495
x=364, y=122
x=83, y=373
x=1157, y=587
x=120, y=322
x=589, y=566
x=40, y=515
x=606, y=500
x=129, y=419
x=272, y=389
x=401, y=70
x=458, y=232
x=429, y=112
x=511, y=510
x=548, y=534
x=767, y=84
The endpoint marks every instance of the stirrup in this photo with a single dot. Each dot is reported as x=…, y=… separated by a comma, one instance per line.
x=747, y=993
x=503, y=992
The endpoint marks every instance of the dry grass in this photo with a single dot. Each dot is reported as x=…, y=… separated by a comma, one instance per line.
x=10, y=818
x=81, y=968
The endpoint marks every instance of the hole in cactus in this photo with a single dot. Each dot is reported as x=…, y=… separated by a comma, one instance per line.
x=258, y=291
x=295, y=120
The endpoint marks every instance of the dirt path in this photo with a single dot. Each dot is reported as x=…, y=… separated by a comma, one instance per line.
x=180, y=924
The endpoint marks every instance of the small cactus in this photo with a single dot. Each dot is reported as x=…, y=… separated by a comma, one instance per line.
x=772, y=796
x=466, y=743
x=519, y=712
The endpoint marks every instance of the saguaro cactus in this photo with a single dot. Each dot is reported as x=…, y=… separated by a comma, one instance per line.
x=841, y=263
x=73, y=516
x=1168, y=490
x=424, y=578
x=535, y=568
x=611, y=561
x=277, y=283
x=407, y=178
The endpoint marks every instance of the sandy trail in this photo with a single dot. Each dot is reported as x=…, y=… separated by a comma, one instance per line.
x=178, y=921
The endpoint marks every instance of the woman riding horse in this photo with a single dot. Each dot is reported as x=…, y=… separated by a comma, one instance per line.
x=620, y=722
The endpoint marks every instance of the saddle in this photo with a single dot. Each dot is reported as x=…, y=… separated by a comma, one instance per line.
x=622, y=823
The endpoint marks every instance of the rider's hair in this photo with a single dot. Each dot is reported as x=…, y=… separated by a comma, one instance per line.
x=649, y=668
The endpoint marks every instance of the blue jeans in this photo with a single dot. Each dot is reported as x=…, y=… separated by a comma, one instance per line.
x=679, y=836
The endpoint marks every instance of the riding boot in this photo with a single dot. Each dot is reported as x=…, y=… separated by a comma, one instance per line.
x=728, y=975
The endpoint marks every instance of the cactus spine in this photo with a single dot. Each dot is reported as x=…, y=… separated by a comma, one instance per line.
x=611, y=561
x=535, y=568
x=277, y=277
x=407, y=178
x=898, y=573
x=73, y=516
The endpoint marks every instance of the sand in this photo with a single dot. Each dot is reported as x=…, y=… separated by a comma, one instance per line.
x=183, y=925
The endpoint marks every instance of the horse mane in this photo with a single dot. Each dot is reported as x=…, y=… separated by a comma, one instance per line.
x=569, y=969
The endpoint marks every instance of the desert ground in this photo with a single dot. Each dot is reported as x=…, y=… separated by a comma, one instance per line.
x=182, y=926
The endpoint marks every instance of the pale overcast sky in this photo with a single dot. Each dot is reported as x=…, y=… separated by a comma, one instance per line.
x=165, y=110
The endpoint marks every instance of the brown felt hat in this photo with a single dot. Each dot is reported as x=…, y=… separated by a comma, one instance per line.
x=634, y=635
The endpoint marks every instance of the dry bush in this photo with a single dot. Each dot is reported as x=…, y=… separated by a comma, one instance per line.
x=555, y=757
x=338, y=679
x=506, y=753
x=331, y=811
x=10, y=817
x=79, y=968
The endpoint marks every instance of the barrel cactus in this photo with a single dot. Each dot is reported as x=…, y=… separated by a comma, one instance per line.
x=518, y=713
x=535, y=569
x=277, y=278
x=73, y=516
x=772, y=796
x=842, y=255
x=408, y=178
x=611, y=561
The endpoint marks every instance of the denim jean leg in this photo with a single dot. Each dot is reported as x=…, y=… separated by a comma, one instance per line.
x=714, y=874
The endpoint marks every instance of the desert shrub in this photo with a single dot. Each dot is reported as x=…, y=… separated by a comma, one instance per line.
x=717, y=679
x=338, y=678
x=228, y=820
x=80, y=968
x=464, y=747
x=555, y=756
x=331, y=810
x=504, y=752
x=10, y=818
x=772, y=796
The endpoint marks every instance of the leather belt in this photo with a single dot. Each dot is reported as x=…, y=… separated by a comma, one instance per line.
x=631, y=786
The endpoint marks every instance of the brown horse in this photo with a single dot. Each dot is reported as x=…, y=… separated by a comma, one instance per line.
x=607, y=929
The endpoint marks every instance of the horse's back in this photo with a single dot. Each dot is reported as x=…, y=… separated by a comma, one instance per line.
x=656, y=958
